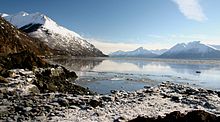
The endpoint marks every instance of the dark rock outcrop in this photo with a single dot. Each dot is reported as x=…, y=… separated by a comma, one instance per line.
x=176, y=116
x=58, y=79
x=23, y=60
x=49, y=78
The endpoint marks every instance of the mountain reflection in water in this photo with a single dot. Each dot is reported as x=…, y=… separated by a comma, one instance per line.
x=155, y=69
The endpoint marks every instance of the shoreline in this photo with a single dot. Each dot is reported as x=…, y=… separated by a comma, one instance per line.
x=148, y=102
x=119, y=105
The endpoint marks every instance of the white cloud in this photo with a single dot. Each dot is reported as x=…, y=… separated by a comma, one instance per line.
x=191, y=9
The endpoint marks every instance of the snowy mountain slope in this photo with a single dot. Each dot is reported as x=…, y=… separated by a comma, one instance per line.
x=139, y=52
x=159, y=51
x=39, y=26
x=14, y=41
x=191, y=50
x=216, y=46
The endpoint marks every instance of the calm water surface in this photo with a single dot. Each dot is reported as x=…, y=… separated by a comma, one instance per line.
x=102, y=75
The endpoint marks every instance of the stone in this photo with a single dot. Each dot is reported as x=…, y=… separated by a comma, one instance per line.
x=107, y=98
x=94, y=103
x=175, y=98
x=3, y=80
x=176, y=116
x=58, y=81
x=63, y=102
x=27, y=109
x=198, y=72
x=208, y=105
x=22, y=60
x=3, y=111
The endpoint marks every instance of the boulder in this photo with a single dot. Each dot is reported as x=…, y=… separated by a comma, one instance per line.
x=176, y=116
x=58, y=79
x=95, y=102
x=23, y=60
x=3, y=80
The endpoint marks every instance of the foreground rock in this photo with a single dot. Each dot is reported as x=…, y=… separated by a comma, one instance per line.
x=33, y=72
x=57, y=79
x=22, y=60
x=192, y=116
x=149, y=102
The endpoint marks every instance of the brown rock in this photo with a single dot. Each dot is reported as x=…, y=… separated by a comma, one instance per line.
x=176, y=116
x=3, y=80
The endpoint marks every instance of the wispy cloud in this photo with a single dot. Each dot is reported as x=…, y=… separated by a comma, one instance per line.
x=191, y=9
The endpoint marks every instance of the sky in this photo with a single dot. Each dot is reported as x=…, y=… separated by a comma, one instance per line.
x=113, y=25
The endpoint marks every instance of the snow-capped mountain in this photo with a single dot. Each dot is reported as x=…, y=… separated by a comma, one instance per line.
x=40, y=26
x=159, y=51
x=216, y=46
x=139, y=52
x=191, y=50
x=13, y=40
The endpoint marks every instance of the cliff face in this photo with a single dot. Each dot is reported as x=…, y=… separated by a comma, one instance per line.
x=14, y=41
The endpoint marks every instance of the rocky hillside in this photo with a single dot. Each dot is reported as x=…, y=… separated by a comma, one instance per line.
x=13, y=41
x=39, y=26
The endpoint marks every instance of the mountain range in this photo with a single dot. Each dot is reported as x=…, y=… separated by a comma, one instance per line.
x=191, y=50
x=139, y=52
x=56, y=37
x=38, y=33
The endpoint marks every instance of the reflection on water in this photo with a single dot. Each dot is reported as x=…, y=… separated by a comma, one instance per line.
x=77, y=64
x=155, y=69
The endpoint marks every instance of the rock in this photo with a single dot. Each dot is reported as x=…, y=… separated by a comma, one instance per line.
x=113, y=91
x=175, y=99
x=56, y=80
x=147, y=87
x=119, y=119
x=27, y=109
x=12, y=74
x=3, y=111
x=198, y=72
x=22, y=60
x=63, y=102
x=3, y=80
x=176, y=116
x=191, y=91
x=94, y=103
x=218, y=92
x=107, y=98
x=209, y=106
x=34, y=90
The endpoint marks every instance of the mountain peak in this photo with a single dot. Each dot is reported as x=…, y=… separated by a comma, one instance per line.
x=194, y=49
x=3, y=15
x=22, y=13
x=57, y=37
x=139, y=52
x=140, y=49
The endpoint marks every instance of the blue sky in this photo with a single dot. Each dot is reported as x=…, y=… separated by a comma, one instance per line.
x=127, y=24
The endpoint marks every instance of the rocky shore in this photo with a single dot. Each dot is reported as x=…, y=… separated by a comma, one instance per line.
x=150, y=103
x=38, y=91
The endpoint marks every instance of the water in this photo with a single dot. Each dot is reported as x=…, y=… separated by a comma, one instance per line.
x=105, y=74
